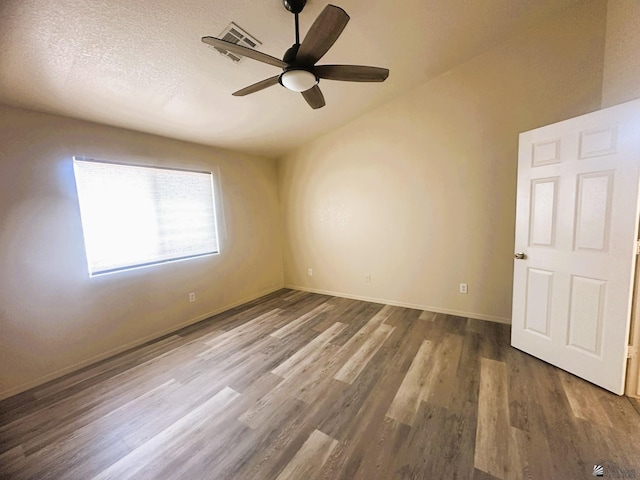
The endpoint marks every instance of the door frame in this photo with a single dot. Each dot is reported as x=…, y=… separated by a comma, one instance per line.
x=632, y=381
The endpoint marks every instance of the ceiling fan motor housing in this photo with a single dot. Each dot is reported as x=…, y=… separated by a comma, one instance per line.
x=290, y=55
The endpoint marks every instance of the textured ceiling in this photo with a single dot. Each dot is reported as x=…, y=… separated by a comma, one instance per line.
x=141, y=65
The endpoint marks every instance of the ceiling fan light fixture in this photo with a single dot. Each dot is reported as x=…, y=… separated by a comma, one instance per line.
x=298, y=80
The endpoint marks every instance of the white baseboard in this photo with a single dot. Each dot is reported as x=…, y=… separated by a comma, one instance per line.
x=476, y=316
x=123, y=348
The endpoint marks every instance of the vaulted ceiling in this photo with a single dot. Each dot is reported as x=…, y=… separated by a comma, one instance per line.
x=141, y=65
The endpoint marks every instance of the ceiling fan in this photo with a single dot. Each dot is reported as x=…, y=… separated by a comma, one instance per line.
x=299, y=70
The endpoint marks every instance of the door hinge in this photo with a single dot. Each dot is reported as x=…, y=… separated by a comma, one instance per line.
x=632, y=352
x=637, y=247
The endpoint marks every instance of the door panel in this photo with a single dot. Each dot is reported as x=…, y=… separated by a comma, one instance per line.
x=539, y=290
x=594, y=143
x=593, y=216
x=543, y=212
x=576, y=222
x=585, y=315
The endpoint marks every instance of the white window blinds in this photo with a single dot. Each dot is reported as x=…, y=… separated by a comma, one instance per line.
x=134, y=216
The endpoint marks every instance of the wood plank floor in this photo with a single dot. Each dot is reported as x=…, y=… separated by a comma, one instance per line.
x=303, y=386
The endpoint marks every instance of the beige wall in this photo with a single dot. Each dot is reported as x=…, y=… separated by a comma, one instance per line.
x=621, y=81
x=420, y=193
x=53, y=317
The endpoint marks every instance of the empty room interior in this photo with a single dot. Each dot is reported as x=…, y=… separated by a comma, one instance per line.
x=336, y=294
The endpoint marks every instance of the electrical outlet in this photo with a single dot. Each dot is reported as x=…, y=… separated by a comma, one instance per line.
x=463, y=288
x=310, y=272
x=192, y=296
x=367, y=278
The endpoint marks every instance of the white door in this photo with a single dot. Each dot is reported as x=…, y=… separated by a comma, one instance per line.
x=576, y=224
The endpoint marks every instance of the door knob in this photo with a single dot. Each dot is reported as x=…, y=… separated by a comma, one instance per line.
x=520, y=256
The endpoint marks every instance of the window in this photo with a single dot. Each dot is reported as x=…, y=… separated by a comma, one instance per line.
x=134, y=216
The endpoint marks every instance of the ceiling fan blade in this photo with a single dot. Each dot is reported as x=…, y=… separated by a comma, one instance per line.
x=244, y=51
x=314, y=97
x=256, y=87
x=322, y=34
x=352, y=73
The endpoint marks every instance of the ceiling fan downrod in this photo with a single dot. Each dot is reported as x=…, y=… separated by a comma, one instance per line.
x=295, y=7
